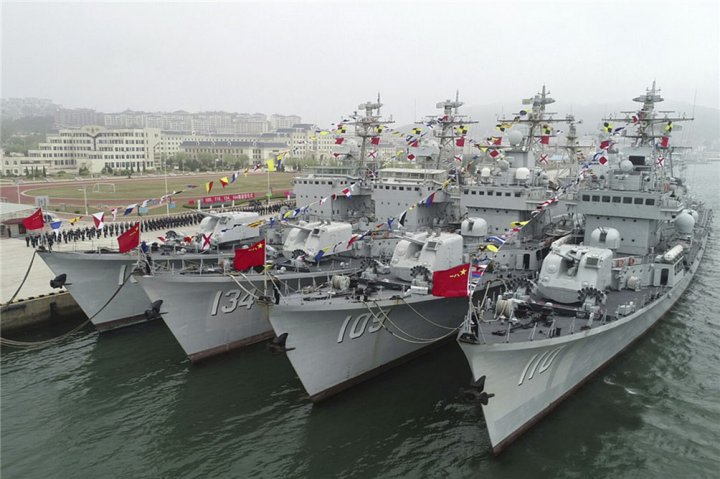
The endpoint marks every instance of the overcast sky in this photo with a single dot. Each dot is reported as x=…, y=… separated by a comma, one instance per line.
x=321, y=59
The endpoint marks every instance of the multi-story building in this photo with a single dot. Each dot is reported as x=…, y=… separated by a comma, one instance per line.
x=77, y=117
x=204, y=123
x=234, y=150
x=20, y=165
x=278, y=121
x=97, y=148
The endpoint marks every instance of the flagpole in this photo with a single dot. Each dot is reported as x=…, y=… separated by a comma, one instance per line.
x=167, y=204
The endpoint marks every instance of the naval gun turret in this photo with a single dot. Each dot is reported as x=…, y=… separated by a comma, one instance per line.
x=318, y=239
x=225, y=229
x=570, y=269
x=418, y=255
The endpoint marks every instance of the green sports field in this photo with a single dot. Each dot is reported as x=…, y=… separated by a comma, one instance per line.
x=136, y=190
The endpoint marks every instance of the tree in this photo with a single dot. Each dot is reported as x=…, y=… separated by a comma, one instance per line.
x=44, y=172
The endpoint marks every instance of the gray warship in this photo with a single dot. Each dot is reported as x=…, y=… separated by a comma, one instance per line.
x=215, y=309
x=101, y=282
x=352, y=328
x=601, y=287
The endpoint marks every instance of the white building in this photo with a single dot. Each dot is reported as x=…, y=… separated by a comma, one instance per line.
x=20, y=165
x=97, y=147
x=278, y=121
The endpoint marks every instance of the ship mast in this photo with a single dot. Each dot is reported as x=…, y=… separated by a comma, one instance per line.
x=537, y=119
x=647, y=122
x=450, y=123
x=367, y=127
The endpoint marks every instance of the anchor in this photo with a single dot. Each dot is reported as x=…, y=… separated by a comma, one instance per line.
x=277, y=345
x=478, y=391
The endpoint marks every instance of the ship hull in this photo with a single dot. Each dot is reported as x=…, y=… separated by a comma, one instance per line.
x=212, y=314
x=334, y=346
x=528, y=379
x=93, y=279
x=208, y=315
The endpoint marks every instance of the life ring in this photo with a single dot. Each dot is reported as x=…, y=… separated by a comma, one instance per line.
x=621, y=263
x=631, y=261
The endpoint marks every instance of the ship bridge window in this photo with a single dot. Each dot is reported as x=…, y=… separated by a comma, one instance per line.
x=650, y=201
x=507, y=193
x=586, y=197
x=596, y=198
x=616, y=199
x=481, y=193
x=637, y=160
x=627, y=200
x=638, y=201
x=498, y=193
x=606, y=199
x=518, y=194
x=315, y=231
x=431, y=246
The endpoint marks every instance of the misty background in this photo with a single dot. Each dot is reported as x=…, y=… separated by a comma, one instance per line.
x=320, y=60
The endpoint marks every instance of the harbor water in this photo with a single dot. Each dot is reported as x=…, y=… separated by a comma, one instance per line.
x=128, y=404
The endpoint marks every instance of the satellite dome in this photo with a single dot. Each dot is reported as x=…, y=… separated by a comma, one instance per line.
x=522, y=174
x=503, y=165
x=626, y=166
x=605, y=238
x=476, y=227
x=485, y=172
x=684, y=223
x=515, y=137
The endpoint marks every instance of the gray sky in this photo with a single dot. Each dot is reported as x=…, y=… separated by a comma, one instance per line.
x=321, y=59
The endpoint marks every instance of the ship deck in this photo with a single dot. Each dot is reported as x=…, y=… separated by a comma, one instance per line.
x=564, y=320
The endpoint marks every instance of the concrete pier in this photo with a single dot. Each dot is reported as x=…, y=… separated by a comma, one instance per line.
x=37, y=303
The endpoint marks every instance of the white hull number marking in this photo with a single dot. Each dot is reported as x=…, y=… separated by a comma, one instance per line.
x=539, y=364
x=359, y=326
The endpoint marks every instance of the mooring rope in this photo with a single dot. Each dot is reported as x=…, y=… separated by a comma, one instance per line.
x=46, y=342
x=427, y=319
x=410, y=338
x=241, y=286
x=24, y=279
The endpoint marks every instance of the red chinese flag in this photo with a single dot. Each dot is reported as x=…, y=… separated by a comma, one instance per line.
x=130, y=239
x=375, y=140
x=451, y=283
x=545, y=140
x=34, y=221
x=664, y=141
x=249, y=257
